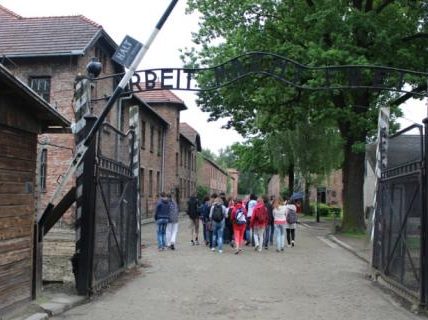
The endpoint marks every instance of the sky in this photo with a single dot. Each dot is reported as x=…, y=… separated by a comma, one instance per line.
x=138, y=19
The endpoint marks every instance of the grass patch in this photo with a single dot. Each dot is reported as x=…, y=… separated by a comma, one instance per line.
x=354, y=234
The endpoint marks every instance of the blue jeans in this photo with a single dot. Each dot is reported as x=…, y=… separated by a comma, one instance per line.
x=280, y=236
x=161, y=232
x=218, y=228
x=268, y=237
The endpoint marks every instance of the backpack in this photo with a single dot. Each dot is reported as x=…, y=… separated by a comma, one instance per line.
x=217, y=213
x=240, y=217
x=291, y=215
x=261, y=215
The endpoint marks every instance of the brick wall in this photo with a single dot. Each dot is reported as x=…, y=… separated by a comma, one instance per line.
x=211, y=177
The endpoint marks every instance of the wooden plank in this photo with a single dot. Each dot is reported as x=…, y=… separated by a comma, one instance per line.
x=15, y=244
x=12, y=187
x=16, y=199
x=13, y=151
x=17, y=164
x=16, y=232
x=20, y=275
x=15, y=256
x=13, y=115
x=16, y=210
x=15, y=293
x=13, y=222
x=15, y=176
x=19, y=138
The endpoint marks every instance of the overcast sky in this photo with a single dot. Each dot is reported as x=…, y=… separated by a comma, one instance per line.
x=137, y=19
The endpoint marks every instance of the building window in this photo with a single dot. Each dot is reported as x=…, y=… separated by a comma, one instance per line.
x=150, y=183
x=101, y=56
x=181, y=156
x=41, y=85
x=158, y=182
x=142, y=181
x=152, y=137
x=176, y=163
x=159, y=141
x=143, y=135
x=43, y=169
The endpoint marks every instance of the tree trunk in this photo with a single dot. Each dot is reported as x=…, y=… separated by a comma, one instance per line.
x=291, y=180
x=353, y=196
x=306, y=202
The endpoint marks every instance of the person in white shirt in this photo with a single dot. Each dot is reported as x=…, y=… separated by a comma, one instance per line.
x=250, y=207
x=279, y=223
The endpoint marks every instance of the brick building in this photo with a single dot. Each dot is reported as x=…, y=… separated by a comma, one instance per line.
x=212, y=176
x=234, y=181
x=329, y=191
x=175, y=168
x=48, y=53
x=190, y=144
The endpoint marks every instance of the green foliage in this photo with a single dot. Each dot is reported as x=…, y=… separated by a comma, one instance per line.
x=284, y=193
x=324, y=210
x=317, y=33
x=201, y=192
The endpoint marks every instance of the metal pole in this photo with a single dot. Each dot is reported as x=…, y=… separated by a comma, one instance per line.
x=424, y=222
x=83, y=147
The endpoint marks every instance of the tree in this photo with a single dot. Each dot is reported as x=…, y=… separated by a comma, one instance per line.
x=323, y=32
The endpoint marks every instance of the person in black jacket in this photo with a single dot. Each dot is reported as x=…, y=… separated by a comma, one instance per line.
x=162, y=218
x=268, y=236
x=193, y=212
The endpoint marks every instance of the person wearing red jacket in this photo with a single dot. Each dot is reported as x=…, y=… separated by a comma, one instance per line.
x=258, y=223
x=239, y=223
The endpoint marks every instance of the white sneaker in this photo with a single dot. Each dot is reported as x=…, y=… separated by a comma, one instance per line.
x=213, y=249
x=292, y=243
x=220, y=251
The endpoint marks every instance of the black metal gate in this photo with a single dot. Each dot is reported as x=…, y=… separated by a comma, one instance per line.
x=115, y=234
x=397, y=246
x=107, y=236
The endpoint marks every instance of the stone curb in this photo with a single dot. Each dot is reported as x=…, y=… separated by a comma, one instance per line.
x=57, y=304
x=347, y=247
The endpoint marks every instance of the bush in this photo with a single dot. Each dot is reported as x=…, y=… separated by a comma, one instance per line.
x=201, y=192
x=324, y=210
x=335, y=211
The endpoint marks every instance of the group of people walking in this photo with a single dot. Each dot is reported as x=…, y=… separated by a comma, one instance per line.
x=255, y=221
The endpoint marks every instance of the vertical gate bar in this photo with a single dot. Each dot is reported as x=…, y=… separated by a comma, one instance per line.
x=424, y=221
x=85, y=247
x=134, y=123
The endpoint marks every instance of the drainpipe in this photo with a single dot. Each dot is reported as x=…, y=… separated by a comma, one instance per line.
x=163, y=161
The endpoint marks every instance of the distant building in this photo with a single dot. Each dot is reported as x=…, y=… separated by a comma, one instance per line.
x=190, y=145
x=234, y=182
x=329, y=191
x=212, y=176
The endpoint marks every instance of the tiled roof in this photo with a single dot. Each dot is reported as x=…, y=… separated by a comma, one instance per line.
x=161, y=96
x=191, y=134
x=45, y=36
x=152, y=111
